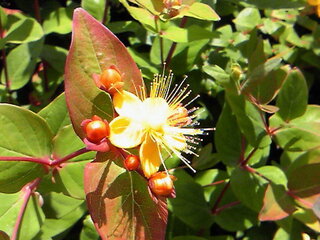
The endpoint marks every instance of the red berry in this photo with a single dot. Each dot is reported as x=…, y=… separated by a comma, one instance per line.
x=96, y=130
x=111, y=79
x=161, y=184
x=132, y=162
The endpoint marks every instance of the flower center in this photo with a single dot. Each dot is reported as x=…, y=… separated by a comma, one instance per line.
x=155, y=114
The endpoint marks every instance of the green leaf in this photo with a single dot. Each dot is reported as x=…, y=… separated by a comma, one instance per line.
x=20, y=70
x=55, y=56
x=228, y=137
x=53, y=227
x=93, y=49
x=249, y=120
x=58, y=21
x=202, y=11
x=260, y=73
x=308, y=218
x=88, y=231
x=119, y=201
x=304, y=182
x=32, y=219
x=300, y=134
x=56, y=114
x=70, y=179
x=236, y=217
x=206, y=158
x=279, y=4
x=67, y=142
x=248, y=187
x=247, y=19
x=192, y=33
x=277, y=204
x=57, y=205
x=24, y=31
x=95, y=7
x=190, y=205
x=293, y=97
x=26, y=135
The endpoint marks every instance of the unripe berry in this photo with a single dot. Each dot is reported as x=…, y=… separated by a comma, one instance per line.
x=132, y=162
x=96, y=130
x=111, y=80
x=161, y=184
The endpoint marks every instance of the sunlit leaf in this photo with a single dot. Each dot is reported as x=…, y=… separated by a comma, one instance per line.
x=93, y=49
x=119, y=201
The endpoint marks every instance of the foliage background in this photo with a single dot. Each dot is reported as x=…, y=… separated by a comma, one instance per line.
x=256, y=166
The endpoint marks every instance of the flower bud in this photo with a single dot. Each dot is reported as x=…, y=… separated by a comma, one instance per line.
x=132, y=162
x=95, y=129
x=161, y=184
x=111, y=80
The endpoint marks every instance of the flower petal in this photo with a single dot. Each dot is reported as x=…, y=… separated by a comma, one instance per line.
x=125, y=132
x=175, y=141
x=127, y=104
x=150, y=156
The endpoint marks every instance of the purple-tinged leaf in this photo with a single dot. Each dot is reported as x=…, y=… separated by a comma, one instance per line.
x=277, y=204
x=119, y=201
x=93, y=49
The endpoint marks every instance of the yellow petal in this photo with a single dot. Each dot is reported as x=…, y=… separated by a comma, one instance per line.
x=150, y=156
x=127, y=104
x=125, y=132
x=314, y=2
x=175, y=141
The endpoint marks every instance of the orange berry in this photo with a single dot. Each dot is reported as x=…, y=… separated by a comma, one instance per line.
x=161, y=184
x=97, y=130
x=111, y=79
x=132, y=162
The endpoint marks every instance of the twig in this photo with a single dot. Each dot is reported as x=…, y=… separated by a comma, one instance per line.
x=28, y=190
x=37, y=10
x=174, y=44
x=216, y=205
x=105, y=12
x=220, y=209
x=46, y=161
x=215, y=183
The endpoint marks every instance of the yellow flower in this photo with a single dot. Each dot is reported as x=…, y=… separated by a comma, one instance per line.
x=157, y=122
x=313, y=2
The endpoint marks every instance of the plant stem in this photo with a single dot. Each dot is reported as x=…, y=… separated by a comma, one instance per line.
x=215, y=183
x=37, y=10
x=174, y=44
x=156, y=21
x=57, y=162
x=246, y=160
x=46, y=161
x=105, y=12
x=220, y=209
x=28, y=190
x=216, y=205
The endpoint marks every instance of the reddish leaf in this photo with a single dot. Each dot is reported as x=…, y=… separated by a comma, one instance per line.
x=119, y=201
x=277, y=204
x=304, y=182
x=93, y=49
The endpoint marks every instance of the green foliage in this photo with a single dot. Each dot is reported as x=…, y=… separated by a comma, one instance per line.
x=254, y=64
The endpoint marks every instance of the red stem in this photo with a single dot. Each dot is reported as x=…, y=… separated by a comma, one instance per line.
x=105, y=12
x=220, y=209
x=70, y=156
x=28, y=190
x=37, y=10
x=215, y=183
x=216, y=205
x=174, y=45
x=46, y=161
x=307, y=204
